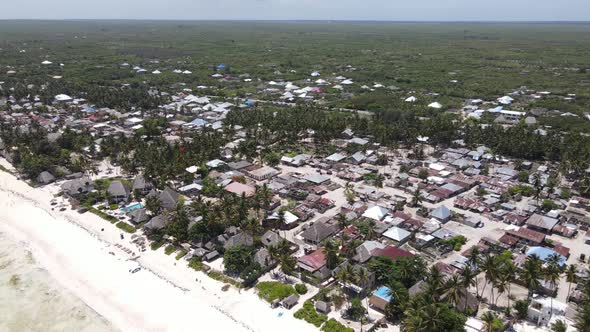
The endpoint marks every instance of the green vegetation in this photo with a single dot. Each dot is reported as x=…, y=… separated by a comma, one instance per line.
x=456, y=242
x=216, y=275
x=103, y=215
x=272, y=290
x=524, y=190
x=333, y=325
x=169, y=249
x=126, y=227
x=310, y=315
x=180, y=254
x=301, y=288
x=155, y=245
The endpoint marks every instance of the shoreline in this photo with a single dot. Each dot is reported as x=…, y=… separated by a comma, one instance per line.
x=77, y=254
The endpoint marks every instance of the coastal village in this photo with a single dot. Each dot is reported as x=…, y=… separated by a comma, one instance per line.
x=336, y=237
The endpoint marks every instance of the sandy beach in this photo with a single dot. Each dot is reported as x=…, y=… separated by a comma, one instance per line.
x=163, y=296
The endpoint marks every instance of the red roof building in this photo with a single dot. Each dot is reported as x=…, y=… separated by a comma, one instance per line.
x=313, y=261
x=391, y=252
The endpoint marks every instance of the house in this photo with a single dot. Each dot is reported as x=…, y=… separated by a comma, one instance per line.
x=323, y=307
x=240, y=239
x=335, y=158
x=318, y=232
x=290, y=301
x=381, y=298
x=141, y=186
x=240, y=189
x=77, y=187
x=545, y=254
x=375, y=212
x=364, y=252
x=169, y=198
x=541, y=223
x=287, y=221
x=441, y=213
x=399, y=235
x=313, y=261
x=262, y=257
x=45, y=178
x=118, y=192
x=528, y=236
x=156, y=223
x=261, y=173
x=270, y=238
x=138, y=216
x=542, y=309
x=391, y=252
x=317, y=178
x=357, y=158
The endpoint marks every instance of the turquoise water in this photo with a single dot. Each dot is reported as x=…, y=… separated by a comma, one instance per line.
x=132, y=207
x=383, y=293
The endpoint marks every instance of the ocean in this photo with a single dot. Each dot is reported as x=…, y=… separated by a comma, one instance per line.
x=31, y=300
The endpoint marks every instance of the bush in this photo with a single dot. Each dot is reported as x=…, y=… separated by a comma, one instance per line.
x=456, y=242
x=126, y=227
x=113, y=206
x=103, y=215
x=333, y=325
x=156, y=245
x=196, y=264
x=301, y=288
x=272, y=290
x=169, y=249
x=181, y=254
x=310, y=315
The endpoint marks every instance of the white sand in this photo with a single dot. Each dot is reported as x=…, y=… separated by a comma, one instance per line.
x=163, y=296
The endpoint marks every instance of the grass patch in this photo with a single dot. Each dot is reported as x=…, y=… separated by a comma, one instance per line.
x=103, y=215
x=216, y=275
x=126, y=227
x=308, y=314
x=181, y=254
x=272, y=290
x=196, y=264
x=333, y=325
x=156, y=245
x=170, y=249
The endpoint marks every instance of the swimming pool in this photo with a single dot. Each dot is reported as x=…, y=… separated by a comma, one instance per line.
x=131, y=207
x=383, y=293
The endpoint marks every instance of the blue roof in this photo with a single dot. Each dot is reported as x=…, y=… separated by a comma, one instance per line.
x=544, y=254
x=249, y=102
x=199, y=122
x=221, y=66
x=384, y=293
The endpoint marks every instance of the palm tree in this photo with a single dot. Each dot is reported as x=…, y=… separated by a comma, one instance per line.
x=490, y=268
x=474, y=261
x=454, y=290
x=502, y=283
x=417, y=198
x=558, y=326
x=349, y=193
x=488, y=318
x=331, y=251
x=530, y=274
x=468, y=279
x=551, y=274
x=571, y=277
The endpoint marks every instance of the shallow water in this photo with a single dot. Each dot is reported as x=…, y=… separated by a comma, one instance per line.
x=30, y=300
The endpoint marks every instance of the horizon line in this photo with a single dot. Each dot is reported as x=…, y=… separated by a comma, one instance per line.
x=291, y=20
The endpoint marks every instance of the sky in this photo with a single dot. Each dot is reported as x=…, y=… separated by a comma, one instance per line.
x=389, y=10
